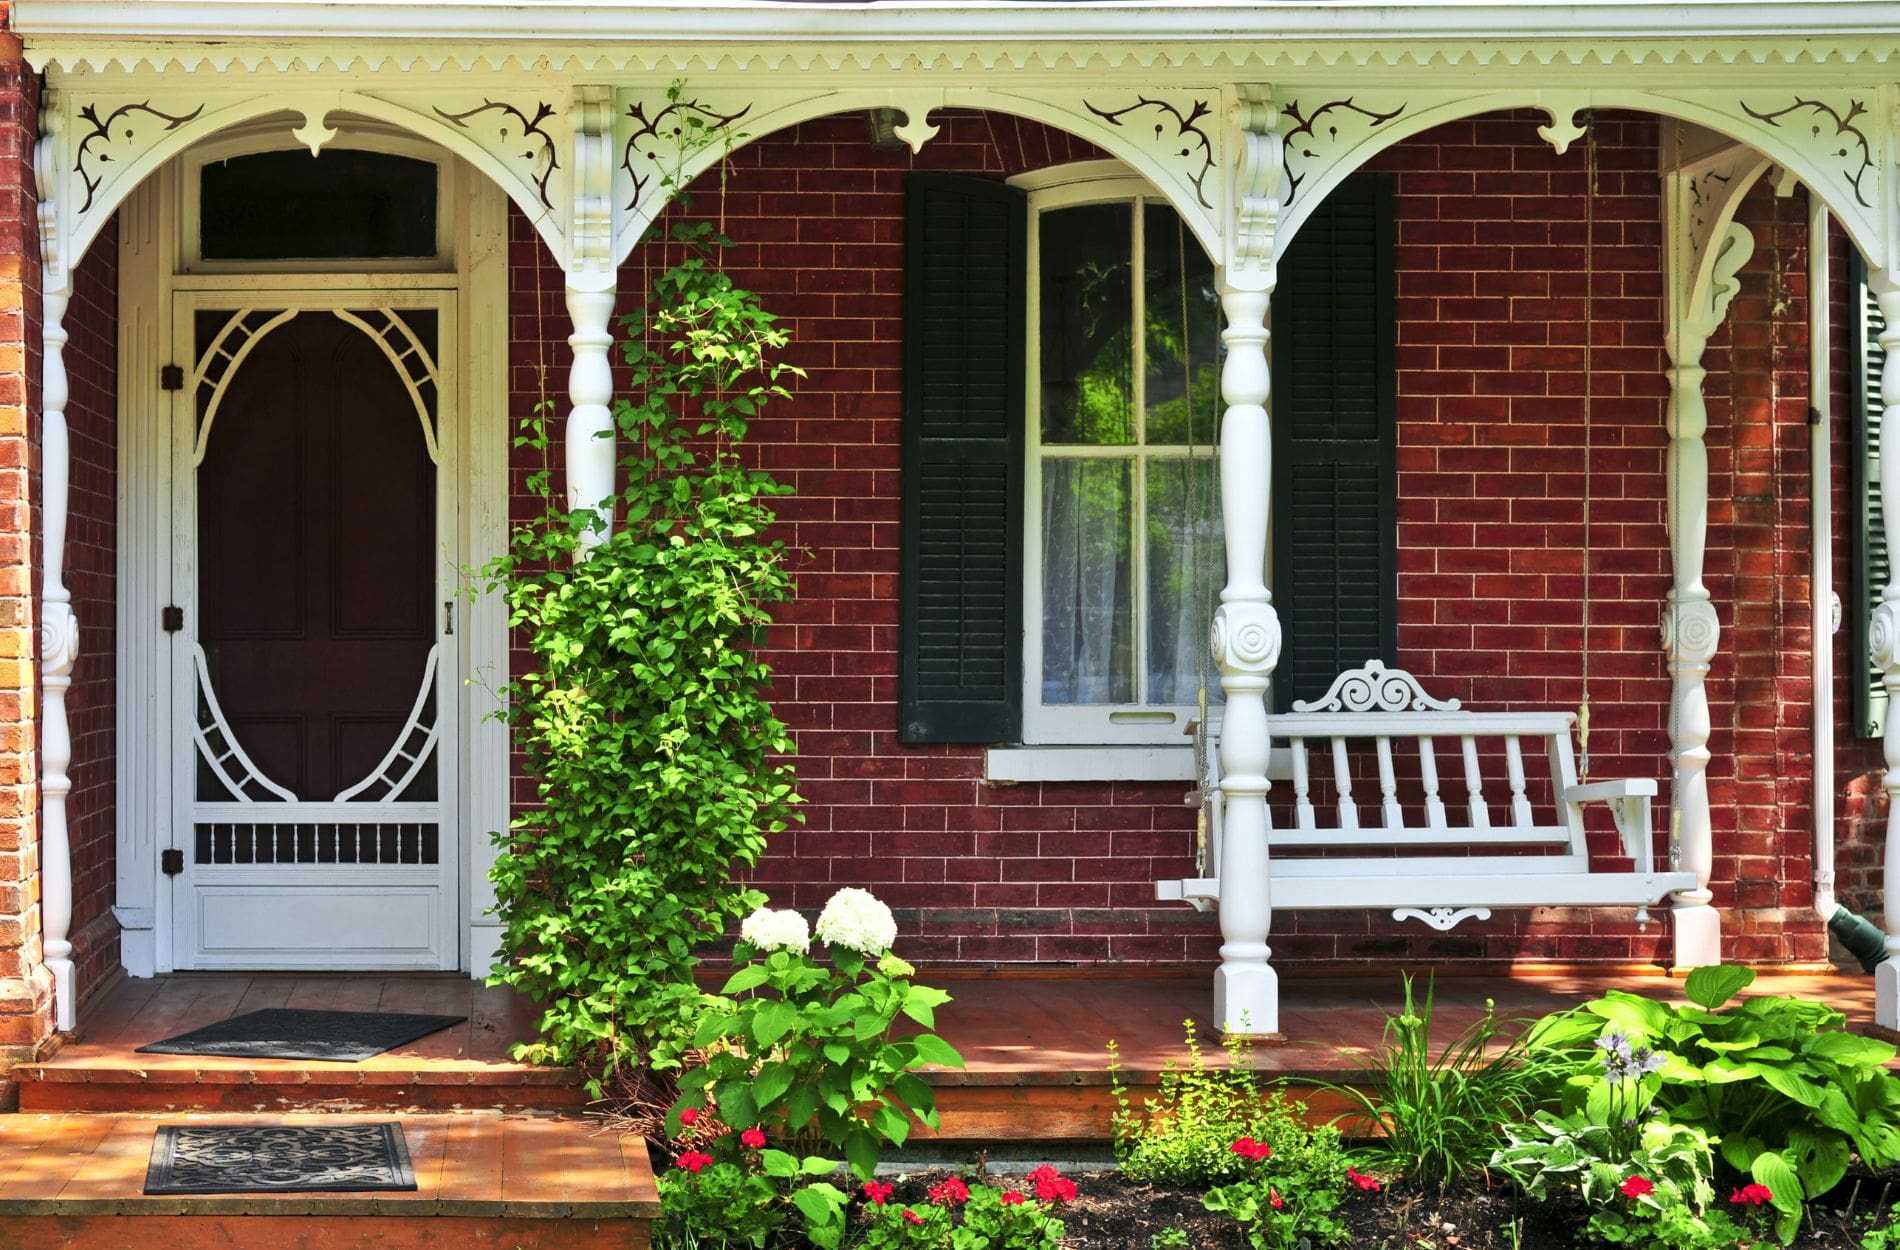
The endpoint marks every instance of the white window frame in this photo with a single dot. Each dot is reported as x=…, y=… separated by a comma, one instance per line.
x=1069, y=186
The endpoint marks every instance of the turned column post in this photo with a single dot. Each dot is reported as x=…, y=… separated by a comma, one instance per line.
x=59, y=649
x=1690, y=631
x=1246, y=630
x=1884, y=635
x=590, y=446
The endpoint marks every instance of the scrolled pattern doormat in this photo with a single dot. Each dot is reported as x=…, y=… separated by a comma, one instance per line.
x=278, y=1158
x=301, y=1033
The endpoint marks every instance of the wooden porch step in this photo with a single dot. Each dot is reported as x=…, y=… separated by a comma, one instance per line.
x=467, y=1065
x=153, y=1083
x=533, y=1182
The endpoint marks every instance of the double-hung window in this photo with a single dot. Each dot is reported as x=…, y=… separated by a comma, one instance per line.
x=1122, y=535
x=1062, y=545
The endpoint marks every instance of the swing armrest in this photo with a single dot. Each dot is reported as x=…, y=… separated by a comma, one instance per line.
x=1628, y=798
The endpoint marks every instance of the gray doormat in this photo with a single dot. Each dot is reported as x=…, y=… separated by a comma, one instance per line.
x=296, y=1033
x=273, y=1158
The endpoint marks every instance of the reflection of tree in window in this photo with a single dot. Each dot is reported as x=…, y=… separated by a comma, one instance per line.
x=1131, y=545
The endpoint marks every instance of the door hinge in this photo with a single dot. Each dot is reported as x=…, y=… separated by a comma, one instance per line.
x=171, y=378
x=171, y=861
x=172, y=618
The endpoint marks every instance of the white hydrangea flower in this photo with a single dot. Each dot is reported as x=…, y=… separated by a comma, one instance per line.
x=855, y=918
x=776, y=930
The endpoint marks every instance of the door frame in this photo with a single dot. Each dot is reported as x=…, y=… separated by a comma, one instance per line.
x=472, y=279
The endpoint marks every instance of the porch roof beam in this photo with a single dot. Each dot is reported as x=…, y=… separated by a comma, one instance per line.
x=970, y=21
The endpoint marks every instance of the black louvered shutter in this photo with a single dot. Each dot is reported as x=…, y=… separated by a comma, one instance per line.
x=1870, y=538
x=1335, y=531
x=960, y=624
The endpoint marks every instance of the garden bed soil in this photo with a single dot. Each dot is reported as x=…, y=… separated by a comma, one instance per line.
x=1111, y=1213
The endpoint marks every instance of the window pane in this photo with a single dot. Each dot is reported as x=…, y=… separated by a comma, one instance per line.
x=1087, y=590
x=1087, y=316
x=342, y=204
x=1183, y=332
x=1186, y=566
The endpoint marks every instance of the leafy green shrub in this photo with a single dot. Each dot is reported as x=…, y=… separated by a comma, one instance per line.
x=642, y=717
x=728, y=1190
x=813, y=1055
x=1778, y=1082
x=1184, y=1134
x=1434, y=1118
x=1287, y=1199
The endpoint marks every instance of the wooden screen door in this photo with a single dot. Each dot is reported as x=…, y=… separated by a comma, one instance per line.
x=313, y=670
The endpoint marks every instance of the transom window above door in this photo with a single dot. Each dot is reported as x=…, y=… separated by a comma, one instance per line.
x=368, y=201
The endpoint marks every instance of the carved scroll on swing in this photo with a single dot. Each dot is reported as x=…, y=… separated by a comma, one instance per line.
x=1376, y=688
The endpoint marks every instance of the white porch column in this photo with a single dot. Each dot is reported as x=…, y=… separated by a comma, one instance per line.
x=1689, y=634
x=1704, y=250
x=59, y=648
x=590, y=446
x=1246, y=633
x=1884, y=634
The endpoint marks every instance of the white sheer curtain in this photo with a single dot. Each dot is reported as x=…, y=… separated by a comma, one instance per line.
x=1087, y=601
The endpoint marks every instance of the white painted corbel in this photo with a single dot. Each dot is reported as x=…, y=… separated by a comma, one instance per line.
x=313, y=134
x=916, y=106
x=1563, y=110
x=1704, y=250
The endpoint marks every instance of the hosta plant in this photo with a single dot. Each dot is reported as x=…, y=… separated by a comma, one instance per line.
x=803, y=1048
x=1778, y=1083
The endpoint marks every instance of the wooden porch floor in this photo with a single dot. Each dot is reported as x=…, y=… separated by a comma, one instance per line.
x=1035, y=1046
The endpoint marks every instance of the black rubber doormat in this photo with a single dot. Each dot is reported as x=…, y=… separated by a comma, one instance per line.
x=275, y=1158
x=298, y=1033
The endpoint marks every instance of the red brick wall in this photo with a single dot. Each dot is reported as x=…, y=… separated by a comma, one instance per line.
x=25, y=990
x=92, y=350
x=1496, y=253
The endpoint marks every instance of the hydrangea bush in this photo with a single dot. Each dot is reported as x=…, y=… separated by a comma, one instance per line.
x=804, y=1049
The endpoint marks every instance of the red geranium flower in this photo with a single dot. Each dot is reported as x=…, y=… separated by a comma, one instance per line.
x=1637, y=1186
x=912, y=1216
x=1248, y=1148
x=753, y=1138
x=1753, y=1194
x=1273, y=1199
x=949, y=1193
x=688, y=1116
x=693, y=1160
x=1362, y=1180
x=1011, y=1198
x=1051, y=1185
x=877, y=1192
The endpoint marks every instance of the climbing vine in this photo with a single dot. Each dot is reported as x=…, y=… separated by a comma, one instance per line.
x=642, y=719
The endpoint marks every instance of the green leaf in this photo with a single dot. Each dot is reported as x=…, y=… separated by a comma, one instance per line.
x=736, y=1106
x=894, y=1124
x=1712, y=986
x=1851, y=1049
x=778, y=1163
x=817, y=1165
x=749, y=977
x=861, y=1151
x=933, y=1049
x=1631, y=1013
x=801, y=1105
x=820, y=1203
x=773, y=1020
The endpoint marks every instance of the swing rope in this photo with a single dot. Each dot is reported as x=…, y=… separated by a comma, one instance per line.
x=1196, y=498
x=1589, y=392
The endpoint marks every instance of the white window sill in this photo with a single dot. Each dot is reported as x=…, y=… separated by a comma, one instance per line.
x=1089, y=763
